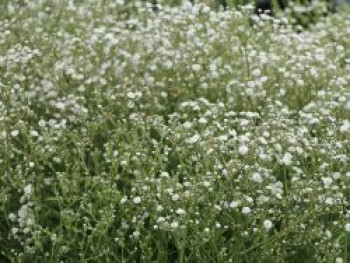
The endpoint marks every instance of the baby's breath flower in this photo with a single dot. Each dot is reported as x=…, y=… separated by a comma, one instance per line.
x=347, y=227
x=14, y=133
x=123, y=200
x=174, y=224
x=196, y=67
x=256, y=177
x=234, y=204
x=192, y=140
x=267, y=224
x=246, y=210
x=12, y=217
x=180, y=211
x=339, y=260
x=136, y=234
x=175, y=197
x=345, y=126
x=160, y=220
x=287, y=159
x=243, y=150
x=137, y=200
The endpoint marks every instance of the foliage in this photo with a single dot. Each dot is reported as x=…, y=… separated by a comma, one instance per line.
x=186, y=135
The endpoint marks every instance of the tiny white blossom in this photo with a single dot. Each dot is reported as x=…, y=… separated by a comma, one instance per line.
x=123, y=200
x=136, y=200
x=180, y=211
x=345, y=126
x=246, y=210
x=339, y=260
x=336, y=175
x=164, y=174
x=28, y=189
x=160, y=220
x=12, y=217
x=136, y=234
x=174, y=225
x=268, y=224
x=60, y=105
x=347, y=227
x=327, y=181
x=243, y=150
x=206, y=184
x=196, y=67
x=175, y=197
x=14, y=133
x=192, y=140
x=287, y=159
x=34, y=133
x=234, y=204
x=42, y=123
x=256, y=177
x=187, y=125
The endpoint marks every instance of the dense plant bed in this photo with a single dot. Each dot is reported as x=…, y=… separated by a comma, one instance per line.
x=184, y=135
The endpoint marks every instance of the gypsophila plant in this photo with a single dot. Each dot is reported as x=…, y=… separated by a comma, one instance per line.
x=181, y=135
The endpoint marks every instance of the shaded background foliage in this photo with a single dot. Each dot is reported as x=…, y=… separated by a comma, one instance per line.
x=302, y=12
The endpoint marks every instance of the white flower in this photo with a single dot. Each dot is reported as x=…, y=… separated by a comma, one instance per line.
x=287, y=159
x=206, y=184
x=246, y=210
x=34, y=133
x=234, y=204
x=125, y=225
x=256, y=177
x=187, y=125
x=180, y=211
x=345, y=127
x=347, y=227
x=14, y=133
x=136, y=200
x=160, y=220
x=136, y=234
x=255, y=18
x=175, y=197
x=339, y=260
x=202, y=120
x=164, y=175
x=336, y=175
x=168, y=64
x=268, y=224
x=42, y=123
x=243, y=150
x=123, y=200
x=192, y=140
x=329, y=201
x=196, y=67
x=60, y=105
x=12, y=217
x=28, y=189
x=327, y=181
x=174, y=225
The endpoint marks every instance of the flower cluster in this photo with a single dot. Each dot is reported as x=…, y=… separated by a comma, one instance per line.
x=185, y=134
